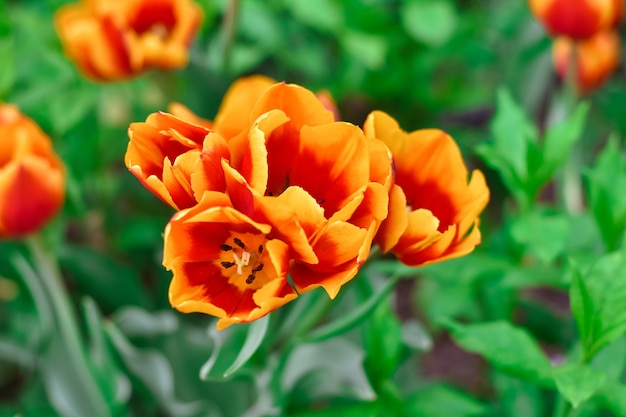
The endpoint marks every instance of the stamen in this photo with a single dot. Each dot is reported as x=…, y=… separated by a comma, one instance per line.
x=227, y=264
x=260, y=249
x=226, y=247
x=241, y=262
x=239, y=243
x=250, y=279
x=258, y=268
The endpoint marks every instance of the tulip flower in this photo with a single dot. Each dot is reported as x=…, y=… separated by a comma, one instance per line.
x=577, y=19
x=433, y=208
x=32, y=177
x=116, y=40
x=594, y=60
x=273, y=186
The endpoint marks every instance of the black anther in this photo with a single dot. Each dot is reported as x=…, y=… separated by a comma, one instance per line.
x=250, y=279
x=239, y=243
x=227, y=264
x=226, y=247
x=258, y=268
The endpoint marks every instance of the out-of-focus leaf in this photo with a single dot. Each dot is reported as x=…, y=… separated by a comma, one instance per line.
x=512, y=134
x=577, y=383
x=432, y=22
x=352, y=319
x=382, y=340
x=324, y=15
x=152, y=369
x=232, y=348
x=533, y=276
x=114, y=385
x=7, y=69
x=415, y=336
x=360, y=409
x=558, y=140
x=329, y=368
x=544, y=235
x=507, y=347
x=134, y=321
x=519, y=398
x=613, y=397
x=598, y=302
x=442, y=401
x=109, y=282
x=256, y=334
x=370, y=50
x=611, y=360
x=606, y=182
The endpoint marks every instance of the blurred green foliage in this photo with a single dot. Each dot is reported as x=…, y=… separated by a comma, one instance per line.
x=491, y=334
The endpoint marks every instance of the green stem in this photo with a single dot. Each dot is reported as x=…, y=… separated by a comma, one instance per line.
x=228, y=32
x=67, y=337
x=571, y=187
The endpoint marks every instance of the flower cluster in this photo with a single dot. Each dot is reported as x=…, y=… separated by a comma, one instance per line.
x=32, y=177
x=275, y=197
x=587, y=45
x=115, y=40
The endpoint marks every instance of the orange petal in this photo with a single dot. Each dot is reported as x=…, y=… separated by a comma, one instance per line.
x=333, y=164
x=337, y=245
x=31, y=193
x=396, y=222
x=233, y=115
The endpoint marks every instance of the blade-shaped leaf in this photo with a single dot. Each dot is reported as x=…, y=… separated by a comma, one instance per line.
x=507, y=347
x=577, y=383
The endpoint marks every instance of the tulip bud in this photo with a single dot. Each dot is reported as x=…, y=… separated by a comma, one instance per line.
x=32, y=177
x=578, y=19
x=594, y=59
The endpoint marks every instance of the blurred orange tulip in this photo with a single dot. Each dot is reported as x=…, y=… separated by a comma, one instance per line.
x=32, y=177
x=578, y=19
x=433, y=210
x=112, y=40
x=595, y=59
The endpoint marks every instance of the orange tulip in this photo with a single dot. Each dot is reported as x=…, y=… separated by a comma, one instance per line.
x=595, y=59
x=433, y=210
x=113, y=40
x=229, y=264
x=577, y=19
x=290, y=173
x=32, y=177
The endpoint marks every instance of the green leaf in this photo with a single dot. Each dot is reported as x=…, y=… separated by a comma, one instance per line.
x=513, y=137
x=256, y=334
x=354, y=318
x=442, y=401
x=135, y=321
x=370, y=50
x=415, y=336
x=310, y=12
x=109, y=282
x=432, y=22
x=507, y=347
x=613, y=397
x=382, y=340
x=150, y=369
x=606, y=182
x=577, y=383
x=232, y=348
x=598, y=300
x=558, y=141
x=327, y=369
x=544, y=235
x=114, y=386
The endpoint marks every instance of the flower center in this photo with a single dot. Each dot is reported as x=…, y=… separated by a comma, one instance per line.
x=242, y=255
